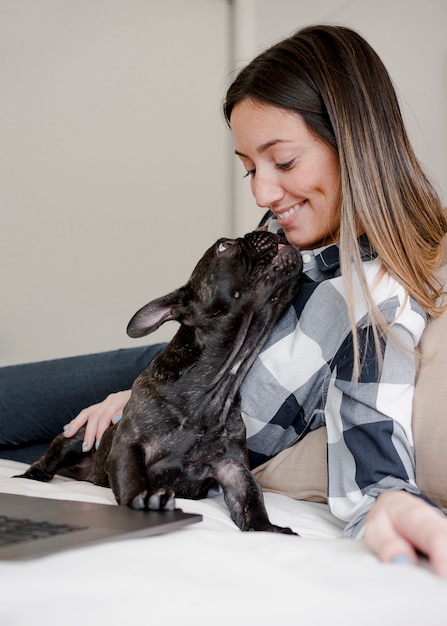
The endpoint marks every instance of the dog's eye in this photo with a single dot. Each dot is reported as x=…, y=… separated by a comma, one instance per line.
x=224, y=245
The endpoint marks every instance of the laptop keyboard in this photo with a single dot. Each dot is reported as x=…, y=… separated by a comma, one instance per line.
x=16, y=530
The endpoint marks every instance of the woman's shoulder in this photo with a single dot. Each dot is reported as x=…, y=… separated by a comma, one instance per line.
x=322, y=307
x=396, y=305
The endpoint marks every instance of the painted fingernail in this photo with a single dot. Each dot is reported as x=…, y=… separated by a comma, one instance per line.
x=66, y=429
x=97, y=442
x=401, y=559
x=84, y=446
x=117, y=418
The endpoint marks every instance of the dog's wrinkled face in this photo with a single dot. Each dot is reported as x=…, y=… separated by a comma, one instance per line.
x=233, y=277
x=254, y=270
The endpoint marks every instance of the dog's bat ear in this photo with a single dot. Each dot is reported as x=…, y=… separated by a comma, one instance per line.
x=153, y=315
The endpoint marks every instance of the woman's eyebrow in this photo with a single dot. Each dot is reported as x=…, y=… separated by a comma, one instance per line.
x=264, y=147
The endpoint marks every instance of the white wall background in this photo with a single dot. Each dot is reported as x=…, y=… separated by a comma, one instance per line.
x=113, y=164
x=114, y=159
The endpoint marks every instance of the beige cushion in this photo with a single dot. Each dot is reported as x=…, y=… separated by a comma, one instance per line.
x=300, y=471
x=430, y=413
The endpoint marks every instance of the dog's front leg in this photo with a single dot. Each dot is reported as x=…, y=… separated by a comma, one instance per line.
x=125, y=469
x=244, y=498
x=128, y=477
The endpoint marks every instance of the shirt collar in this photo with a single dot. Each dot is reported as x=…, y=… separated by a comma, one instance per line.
x=328, y=257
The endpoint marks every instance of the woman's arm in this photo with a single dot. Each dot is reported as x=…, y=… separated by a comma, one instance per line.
x=370, y=445
x=378, y=496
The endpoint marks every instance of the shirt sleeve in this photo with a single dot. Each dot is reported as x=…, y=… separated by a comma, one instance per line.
x=370, y=442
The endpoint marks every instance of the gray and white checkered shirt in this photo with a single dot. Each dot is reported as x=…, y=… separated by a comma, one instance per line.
x=302, y=379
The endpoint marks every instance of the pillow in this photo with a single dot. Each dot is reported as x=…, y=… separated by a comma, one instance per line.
x=300, y=471
x=430, y=412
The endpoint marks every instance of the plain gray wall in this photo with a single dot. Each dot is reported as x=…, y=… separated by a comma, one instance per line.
x=114, y=164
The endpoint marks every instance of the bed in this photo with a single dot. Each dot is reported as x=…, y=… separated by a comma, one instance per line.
x=212, y=574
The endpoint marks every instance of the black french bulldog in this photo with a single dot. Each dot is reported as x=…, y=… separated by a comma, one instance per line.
x=182, y=430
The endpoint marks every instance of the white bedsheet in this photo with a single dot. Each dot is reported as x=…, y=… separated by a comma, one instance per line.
x=212, y=574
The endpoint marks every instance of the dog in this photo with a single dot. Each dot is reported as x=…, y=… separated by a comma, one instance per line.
x=182, y=430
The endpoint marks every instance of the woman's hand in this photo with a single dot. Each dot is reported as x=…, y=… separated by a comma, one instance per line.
x=399, y=525
x=98, y=418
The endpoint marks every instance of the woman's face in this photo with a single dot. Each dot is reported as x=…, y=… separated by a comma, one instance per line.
x=292, y=172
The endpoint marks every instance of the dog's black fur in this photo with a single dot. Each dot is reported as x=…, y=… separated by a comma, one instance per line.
x=182, y=431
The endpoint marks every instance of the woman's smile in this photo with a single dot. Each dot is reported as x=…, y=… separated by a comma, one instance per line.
x=288, y=213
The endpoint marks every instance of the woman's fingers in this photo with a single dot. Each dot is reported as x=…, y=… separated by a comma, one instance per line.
x=97, y=418
x=400, y=525
x=382, y=536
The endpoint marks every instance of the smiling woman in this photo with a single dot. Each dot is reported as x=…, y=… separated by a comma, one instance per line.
x=316, y=123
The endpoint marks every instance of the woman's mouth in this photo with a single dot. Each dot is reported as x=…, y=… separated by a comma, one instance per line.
x=285, y=215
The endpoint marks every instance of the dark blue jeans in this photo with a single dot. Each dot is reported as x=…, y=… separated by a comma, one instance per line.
x=38, y=399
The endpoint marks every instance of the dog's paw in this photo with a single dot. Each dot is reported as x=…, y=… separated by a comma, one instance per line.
x=282, y=529
x=161, y=500
x=270, y=528
x=35, y=472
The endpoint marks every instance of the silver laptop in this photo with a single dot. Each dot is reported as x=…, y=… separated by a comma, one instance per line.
x=32, y=527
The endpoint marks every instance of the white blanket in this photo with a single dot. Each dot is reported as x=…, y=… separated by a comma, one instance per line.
x=212, y=574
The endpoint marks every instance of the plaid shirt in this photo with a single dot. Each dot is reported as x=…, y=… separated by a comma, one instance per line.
x=302, y=379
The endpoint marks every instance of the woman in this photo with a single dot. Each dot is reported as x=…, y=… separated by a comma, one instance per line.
x=317, y=127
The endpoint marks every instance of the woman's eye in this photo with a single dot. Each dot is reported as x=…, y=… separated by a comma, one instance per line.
x=285, y=166
x=278, y=166
x=224, y=245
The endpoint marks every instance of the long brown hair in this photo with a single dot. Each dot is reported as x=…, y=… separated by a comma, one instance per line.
x=336, y=82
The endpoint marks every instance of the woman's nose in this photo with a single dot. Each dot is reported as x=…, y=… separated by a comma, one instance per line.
x=266, y=189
